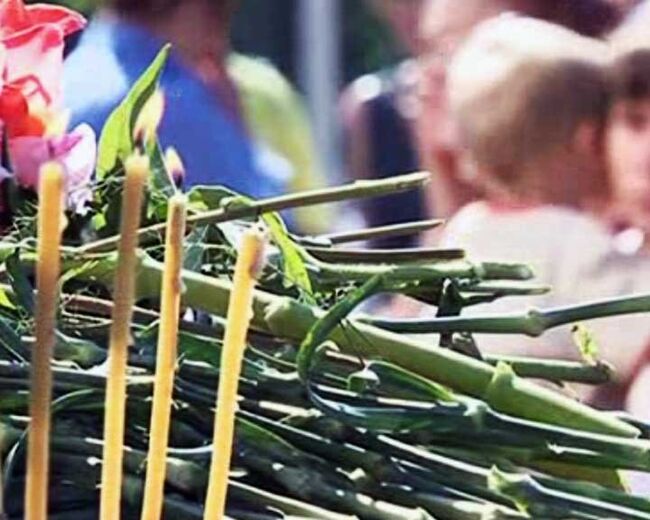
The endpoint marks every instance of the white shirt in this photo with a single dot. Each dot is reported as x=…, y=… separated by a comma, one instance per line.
x=572, y=253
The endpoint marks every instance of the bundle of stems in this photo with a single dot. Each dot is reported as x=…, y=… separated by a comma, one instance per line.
x=339, y=414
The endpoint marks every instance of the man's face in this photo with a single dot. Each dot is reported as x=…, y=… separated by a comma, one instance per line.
x=628, y=154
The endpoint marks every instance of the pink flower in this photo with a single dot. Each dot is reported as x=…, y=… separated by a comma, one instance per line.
x=34, y=64
x=15, y=17
x=76, y=151
x=31, y=68
x=31, y=61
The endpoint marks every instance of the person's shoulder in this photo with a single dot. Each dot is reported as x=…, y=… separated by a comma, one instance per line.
x=572, y=216
x=93, y=79
x=471, y=219
x=474, y=212
x=576, y=229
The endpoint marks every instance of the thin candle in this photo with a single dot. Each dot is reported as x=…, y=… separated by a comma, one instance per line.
x=165, y=359
x=50, y=218
x=2, y=498
x=237, y=322
x=137, y=172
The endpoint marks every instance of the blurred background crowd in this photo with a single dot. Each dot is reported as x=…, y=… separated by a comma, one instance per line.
x=532, y=115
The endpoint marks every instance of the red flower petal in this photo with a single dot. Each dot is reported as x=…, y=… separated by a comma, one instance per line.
x=14, y=112
x=15, y=17
x=68, y=21
x=35, y=61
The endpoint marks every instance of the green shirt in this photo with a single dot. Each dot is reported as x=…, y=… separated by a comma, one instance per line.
x=275, y=115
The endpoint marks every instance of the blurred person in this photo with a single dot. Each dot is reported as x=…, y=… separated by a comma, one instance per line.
x=220, y=105
x=377, y=111
x=627, y=146
x=276, y=116
x=624, y=6
x=531, y=100
x=444, y=27
x=627, y=132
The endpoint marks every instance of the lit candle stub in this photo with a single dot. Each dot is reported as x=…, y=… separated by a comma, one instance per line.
x=50, y=218
x=175, y=167
x=165, y=360
x=149, y=118
x=137, y=173
x=248, y=265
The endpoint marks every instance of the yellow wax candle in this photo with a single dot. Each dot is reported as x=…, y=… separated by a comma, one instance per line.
x=238, y=319
x=137, y=172
x=165, y=359
x=2, y=498
x=50, y=218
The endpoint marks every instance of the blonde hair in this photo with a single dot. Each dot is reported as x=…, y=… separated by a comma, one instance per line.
x=587, y=17
x=520, y=88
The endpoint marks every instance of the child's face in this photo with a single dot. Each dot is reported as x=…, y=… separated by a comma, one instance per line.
x=628, y=154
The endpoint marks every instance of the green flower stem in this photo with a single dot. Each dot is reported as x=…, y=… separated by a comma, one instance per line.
x=292, y=320
x=541, y=502
x=308, y=483
x=531, y=323
x=395, y=230
x=470, y=470
x=504, y=288
x=356, y=190
x=448, y=507
x=285, y=504
x=377, y=465
x=386, y=256
x=429, y=423
x=556, y=369
x=422, y=275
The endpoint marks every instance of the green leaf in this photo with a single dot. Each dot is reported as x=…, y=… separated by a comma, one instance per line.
x=162, y=187
x=295, y=270
x=83, y=352
x=116, y=141
x=11, y=342
x=99, y=221
x=383, y=417
x=190, y=346
x=401, y=383
x=195, y=249
x=584, y=339
x=5, y=301
x=204, y=198
x=320, y=331
x=20, y=283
